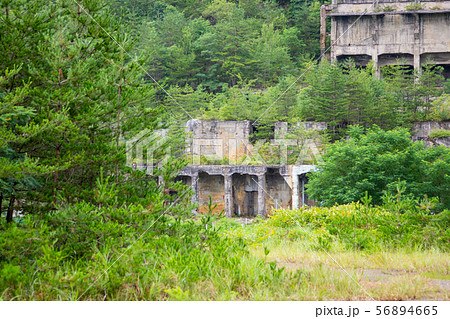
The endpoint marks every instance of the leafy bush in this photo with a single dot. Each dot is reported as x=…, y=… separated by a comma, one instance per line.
x=146, y=256
x=375, y=162
x=414, y=7
x=389, y=8
x=83, y=228
x=360, y=226
x=440, y=134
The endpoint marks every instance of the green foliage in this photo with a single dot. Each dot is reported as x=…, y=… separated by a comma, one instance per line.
x=164, y=258
x=215, y=43
x=95, y=229
x=273, y=60
x=389, y=8
x=69, y=96
x=378, y=161
x=360, y=227
x=440, y=134
x=440, y=108
x=414, y=7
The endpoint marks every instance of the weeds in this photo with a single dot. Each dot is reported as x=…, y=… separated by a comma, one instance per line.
x=64, y=256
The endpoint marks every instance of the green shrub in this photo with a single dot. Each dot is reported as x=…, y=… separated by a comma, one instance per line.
x=414, y=7
x=440, y=134
x=389, y=8
x=358, y=226
x=375, y=162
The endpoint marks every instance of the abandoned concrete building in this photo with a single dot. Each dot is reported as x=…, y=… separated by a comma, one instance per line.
x=388, y=32
x=241, y=190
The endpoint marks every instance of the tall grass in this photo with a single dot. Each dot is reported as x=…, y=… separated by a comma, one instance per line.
x=130, y=253
x=354, y=251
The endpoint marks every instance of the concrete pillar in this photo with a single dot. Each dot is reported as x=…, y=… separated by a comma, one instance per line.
x=417, y=65
x=262, y=195
x=333, y=38
x=375, y=64
x=323, y=30
x=194, y=186
x=375, y=46
x=228, y=181
x=295, y=192
x=303, y=191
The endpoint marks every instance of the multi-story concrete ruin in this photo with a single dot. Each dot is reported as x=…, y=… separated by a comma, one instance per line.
x=388, y=32
x=240, y=187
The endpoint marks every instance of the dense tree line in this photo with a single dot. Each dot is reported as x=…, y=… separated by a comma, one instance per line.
x=216, y=43
x=70, y=92
x=257, y=60
x=76, y=81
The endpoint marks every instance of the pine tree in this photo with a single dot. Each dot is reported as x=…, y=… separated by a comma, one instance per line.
x=85, y=94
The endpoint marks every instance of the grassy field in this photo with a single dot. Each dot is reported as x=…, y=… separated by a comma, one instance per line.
x=382, y=275
x=348, y=252
x=376, y=265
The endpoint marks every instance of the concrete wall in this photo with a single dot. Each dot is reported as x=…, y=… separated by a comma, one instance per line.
x=240, y=190
x=299, y=180
x=422, y=130
x=245, y=195
x=210, y=186
x=219, y=139
x=245, y=190
x=279, y=192
x=281, y=128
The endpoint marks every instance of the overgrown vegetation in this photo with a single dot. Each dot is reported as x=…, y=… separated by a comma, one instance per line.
x=379, y=162
x=77, y=80
x=391, y=255
x=414, y=7
x=235, y=60
x=440, y=133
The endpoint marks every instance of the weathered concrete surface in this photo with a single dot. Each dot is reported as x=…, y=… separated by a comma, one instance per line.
x=247, y=190
x=281, y=128
x=219, y=139
x=211, y=186
x=422, y=130
x=279, y=191
x=299, y=180
x=242, y=193
x=242, y=190
x=388, y=31
x=245, y=195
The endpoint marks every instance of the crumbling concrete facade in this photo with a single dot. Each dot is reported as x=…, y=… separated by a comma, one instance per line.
x=388, y=32
x=235, y=187
x=218, y=139
x=421, y=131
x=242, y=190
x=247, y=190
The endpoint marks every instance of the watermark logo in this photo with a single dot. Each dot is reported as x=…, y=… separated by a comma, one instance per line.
x=147, y=150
